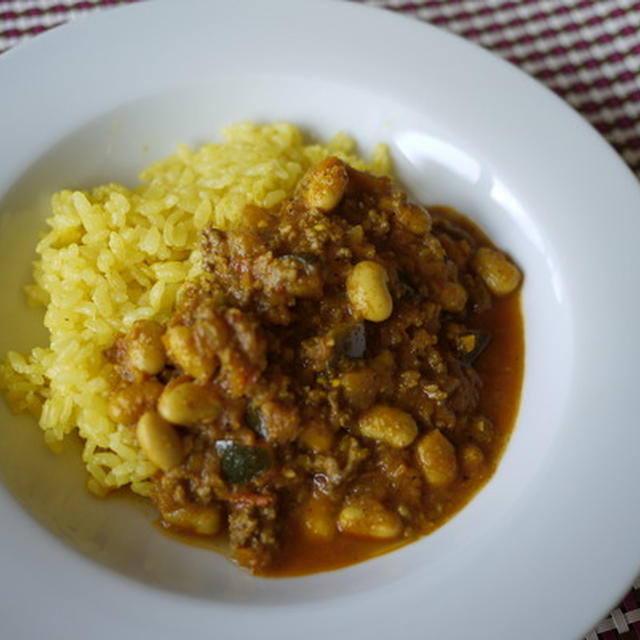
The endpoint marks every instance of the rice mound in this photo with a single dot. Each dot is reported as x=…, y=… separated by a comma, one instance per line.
x=113, y=256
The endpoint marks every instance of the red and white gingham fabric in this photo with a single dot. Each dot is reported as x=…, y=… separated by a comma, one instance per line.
x=587, y=51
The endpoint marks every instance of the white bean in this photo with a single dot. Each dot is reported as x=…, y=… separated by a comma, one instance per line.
x=188, y=403
x=318, y=518
x=499, y=274
x=367, y=291
x=204, y=520
x=159, y=440
x=437, y=457
x=325, y=184
x=145, y=349
x=414, y=217
x=388, y=424
x=184, y=349
x=367, y=518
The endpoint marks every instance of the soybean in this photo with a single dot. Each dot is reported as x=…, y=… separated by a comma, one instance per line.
x=388, y=424
x=499, y=274
x=159, y=440
x=437, y=457
x=325, y=185
x=189, y=403
x=368, y=292
x=146, y=351
x=367, y=518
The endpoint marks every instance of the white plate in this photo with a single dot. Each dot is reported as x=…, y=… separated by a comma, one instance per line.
x=551, y=543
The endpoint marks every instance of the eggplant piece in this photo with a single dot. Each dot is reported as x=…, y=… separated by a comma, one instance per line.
x=470, y=344
x=255, y=422
x=239, y=462
x=406, y=288
x=443, y=223
x=349, y=341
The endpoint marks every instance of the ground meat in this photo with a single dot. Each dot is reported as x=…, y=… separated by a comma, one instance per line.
x=320, y=376
x=253, y=535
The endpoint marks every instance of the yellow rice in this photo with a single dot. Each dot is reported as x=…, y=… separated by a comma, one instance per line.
x=114, y=255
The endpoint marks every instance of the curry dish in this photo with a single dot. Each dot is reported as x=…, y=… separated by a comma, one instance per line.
x=341, y=380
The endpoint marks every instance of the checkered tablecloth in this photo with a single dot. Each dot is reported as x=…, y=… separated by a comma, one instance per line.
x=587, y=51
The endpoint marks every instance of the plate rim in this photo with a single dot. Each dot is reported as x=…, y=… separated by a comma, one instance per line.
x=53, y=38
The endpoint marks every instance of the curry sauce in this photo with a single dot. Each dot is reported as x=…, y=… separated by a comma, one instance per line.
x=341, y=380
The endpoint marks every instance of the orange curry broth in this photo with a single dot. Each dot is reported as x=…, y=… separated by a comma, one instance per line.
x=501, y=368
